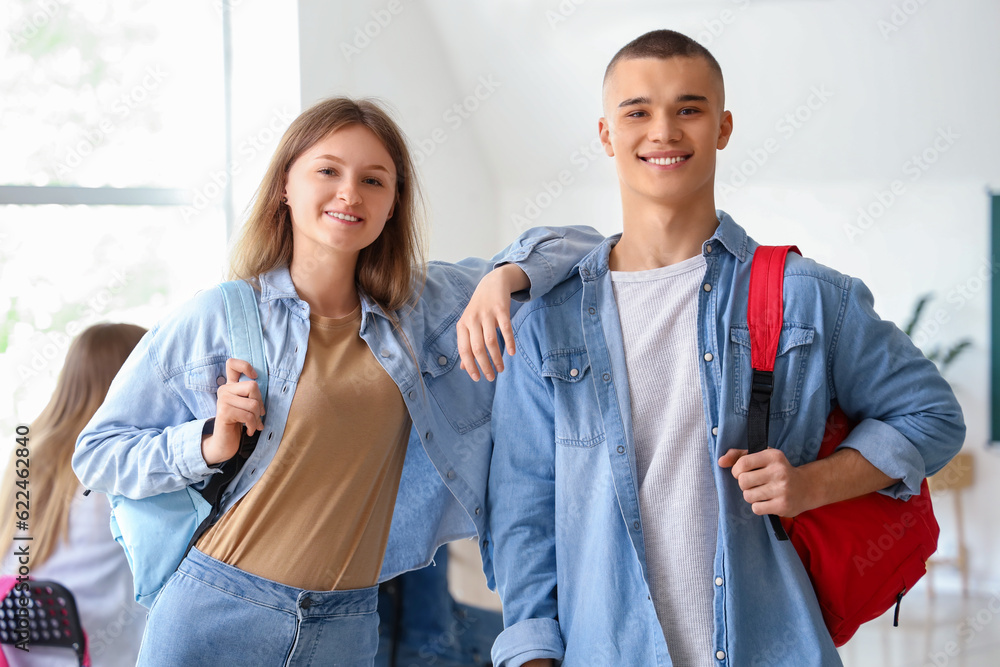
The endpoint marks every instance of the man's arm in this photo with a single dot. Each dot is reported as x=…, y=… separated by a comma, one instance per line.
x=538, y=260
x=521, y=514
x=909, y=423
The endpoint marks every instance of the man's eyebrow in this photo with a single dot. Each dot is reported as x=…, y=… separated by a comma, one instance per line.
x=633, y=101
x=690, y=97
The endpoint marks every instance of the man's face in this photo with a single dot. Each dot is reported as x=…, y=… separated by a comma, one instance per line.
x=663, y=122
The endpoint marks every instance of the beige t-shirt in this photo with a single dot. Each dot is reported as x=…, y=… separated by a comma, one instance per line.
x=319, y=517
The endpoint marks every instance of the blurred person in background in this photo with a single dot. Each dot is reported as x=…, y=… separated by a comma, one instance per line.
x=71, y=543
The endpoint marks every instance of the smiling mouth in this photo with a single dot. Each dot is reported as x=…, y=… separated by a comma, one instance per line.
x=343, y=216
x=664, y=161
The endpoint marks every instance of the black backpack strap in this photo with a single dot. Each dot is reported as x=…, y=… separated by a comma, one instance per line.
x=764, y=318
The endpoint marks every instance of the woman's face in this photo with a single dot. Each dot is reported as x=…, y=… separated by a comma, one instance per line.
x=340, y=191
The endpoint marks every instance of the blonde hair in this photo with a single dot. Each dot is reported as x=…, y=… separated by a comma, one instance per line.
x=391, y=270
x=93, y=360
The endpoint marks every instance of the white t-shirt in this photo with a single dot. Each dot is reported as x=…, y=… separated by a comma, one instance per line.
x=94, y=569
x=658, y=311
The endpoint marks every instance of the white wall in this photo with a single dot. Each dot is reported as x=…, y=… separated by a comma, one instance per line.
x=884, y=78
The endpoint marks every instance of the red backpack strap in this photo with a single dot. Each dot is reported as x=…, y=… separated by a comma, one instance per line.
x=764, y=317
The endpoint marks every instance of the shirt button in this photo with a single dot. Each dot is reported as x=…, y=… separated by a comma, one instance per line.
x=427, y=436
x=707, y=287
x=442, y=361
x=635, y=524
x=708, y=248
x=621, y=449
x=451, y=474
x=220, y=380
x=573, y=372
x=715, y=430
x=384, y=353
x=479, y=510
x=708, y=356
x=412, y=395
x=721, y=655
x=718, y=581
x=607, y=377
x=591, y=310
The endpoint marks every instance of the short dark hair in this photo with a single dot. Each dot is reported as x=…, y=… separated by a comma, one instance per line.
x=663, y=44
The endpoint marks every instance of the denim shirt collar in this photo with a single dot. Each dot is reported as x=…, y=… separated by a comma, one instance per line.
x=732, y=237
x=277, y=284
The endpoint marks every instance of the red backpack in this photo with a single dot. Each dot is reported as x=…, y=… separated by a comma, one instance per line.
x=863, y=554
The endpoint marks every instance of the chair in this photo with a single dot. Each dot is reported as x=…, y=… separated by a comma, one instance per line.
x=954, y=477
x=43, y=615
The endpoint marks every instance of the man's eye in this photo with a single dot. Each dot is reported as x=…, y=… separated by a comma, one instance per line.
x=689, y=111
x=636, y=114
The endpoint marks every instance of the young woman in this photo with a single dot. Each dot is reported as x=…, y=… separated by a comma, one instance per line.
x=70, y=540
x=384, y=441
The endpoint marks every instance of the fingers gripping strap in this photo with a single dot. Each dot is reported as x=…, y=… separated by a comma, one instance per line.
x=245, y=333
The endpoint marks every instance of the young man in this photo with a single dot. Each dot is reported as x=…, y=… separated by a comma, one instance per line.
x=627, y=521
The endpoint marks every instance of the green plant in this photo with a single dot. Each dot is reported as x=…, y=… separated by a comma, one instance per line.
x=939, y=354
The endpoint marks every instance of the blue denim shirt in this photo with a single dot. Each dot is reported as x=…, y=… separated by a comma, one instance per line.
x=146, y=437
x=563, y=496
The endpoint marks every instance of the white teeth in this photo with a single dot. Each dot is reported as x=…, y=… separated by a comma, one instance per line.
x=666, y=160
x=343, y=216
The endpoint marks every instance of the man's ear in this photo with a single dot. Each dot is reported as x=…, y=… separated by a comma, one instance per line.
x=725, y=130
x=604, y=132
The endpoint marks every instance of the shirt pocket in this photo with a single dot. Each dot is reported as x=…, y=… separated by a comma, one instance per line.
x=794, y=345
x=464, y=403
x=201, y=383
x=577, y=414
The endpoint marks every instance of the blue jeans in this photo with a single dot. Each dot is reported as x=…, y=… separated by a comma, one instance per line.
x=212, y=614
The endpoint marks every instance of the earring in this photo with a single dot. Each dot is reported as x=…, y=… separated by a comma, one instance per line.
x=284, y=199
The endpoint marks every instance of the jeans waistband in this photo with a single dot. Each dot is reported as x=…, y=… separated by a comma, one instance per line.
x=296, y=601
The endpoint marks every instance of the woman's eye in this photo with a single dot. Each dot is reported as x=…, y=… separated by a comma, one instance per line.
x=327, y=171
x=371, y=180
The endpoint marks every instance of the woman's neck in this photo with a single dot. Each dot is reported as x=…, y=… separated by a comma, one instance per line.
x=326, y=282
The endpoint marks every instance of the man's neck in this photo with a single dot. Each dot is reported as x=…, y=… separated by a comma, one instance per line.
x=657, y=236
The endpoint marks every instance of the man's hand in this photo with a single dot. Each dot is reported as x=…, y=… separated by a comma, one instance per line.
x=237, y=403
x=774, y=486
x=489, y=310
x=770, y=483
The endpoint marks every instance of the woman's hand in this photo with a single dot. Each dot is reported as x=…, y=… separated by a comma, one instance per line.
x=237, y=404
x=489, y=310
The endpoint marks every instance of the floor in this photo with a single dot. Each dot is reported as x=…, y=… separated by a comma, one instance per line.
x=944, y=630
